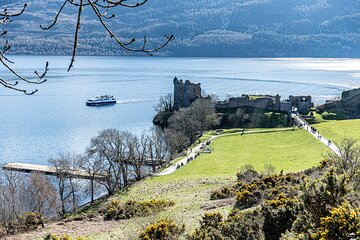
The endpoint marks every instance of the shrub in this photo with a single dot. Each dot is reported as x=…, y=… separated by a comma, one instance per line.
x=269, y=169
x=339, y=224
x=243, y=225
x=247, y=199
x=117, y=210
x=223, y=193
x=63, y=237
x=211, y=225
x=279, y=215
x=324, y=163
x=112, y=209
x=272, y=179
x=213, y=220
x=238, y=225
x=163, y=229
x=329, y=116
x=250, y=187
x=247, y=174
x=29, y=221
x=318, y=198
x=288, y=177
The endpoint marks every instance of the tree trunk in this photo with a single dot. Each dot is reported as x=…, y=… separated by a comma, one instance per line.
x=92, y=191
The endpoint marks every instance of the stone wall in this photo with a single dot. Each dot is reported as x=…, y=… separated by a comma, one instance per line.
x=285, y=107
x=266, y=102
x=245, y=101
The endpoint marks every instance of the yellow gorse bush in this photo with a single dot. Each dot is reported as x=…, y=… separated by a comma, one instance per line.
x=340, y=223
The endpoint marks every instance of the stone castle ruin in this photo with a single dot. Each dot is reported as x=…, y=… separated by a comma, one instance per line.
x=186, y=92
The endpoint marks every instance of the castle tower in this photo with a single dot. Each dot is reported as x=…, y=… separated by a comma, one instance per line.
x=178, y=93
x=277, y=102
x=185, y=93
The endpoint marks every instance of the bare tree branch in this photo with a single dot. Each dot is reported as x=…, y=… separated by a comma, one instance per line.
x=122, y=3
x=55, y=18
x=76, y=38
x=101, y=11
x=5, y=16
x=5, y=13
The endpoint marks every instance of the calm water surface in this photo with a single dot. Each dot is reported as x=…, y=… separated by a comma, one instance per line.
x=55, y=120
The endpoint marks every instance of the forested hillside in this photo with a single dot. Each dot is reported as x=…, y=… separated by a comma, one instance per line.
x=245, y=28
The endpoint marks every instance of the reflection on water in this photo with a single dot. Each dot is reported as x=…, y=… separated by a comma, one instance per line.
x=34, y=128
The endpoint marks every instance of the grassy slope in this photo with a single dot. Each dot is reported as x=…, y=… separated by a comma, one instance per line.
x=190, y=186
x=191, y=198
x=337, y=130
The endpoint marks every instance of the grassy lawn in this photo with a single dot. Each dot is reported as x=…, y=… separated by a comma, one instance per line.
x=289, y=150
x=337, y=130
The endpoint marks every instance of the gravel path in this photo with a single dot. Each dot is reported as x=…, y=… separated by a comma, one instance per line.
x=306, y=126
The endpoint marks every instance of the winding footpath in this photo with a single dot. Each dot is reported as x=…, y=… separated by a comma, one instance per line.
x=192, y=153
x=306, y=126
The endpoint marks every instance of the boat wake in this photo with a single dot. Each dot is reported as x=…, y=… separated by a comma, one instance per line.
x=129, y=101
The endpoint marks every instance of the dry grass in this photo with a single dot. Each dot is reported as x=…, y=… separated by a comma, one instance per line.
x=192, y=199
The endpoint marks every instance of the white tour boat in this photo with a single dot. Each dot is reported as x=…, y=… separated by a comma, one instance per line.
x=101, y=100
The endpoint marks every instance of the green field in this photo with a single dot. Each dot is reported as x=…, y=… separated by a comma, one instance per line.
x=286, y=150
x=337, y=130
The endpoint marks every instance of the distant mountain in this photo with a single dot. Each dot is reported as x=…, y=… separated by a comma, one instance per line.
x=245, y=28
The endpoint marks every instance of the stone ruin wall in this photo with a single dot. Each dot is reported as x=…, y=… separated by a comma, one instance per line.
x=271, y=103
x=285, y=106
x=244, y=101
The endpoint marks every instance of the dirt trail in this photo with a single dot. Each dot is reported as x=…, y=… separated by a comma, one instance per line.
x=73, y=228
